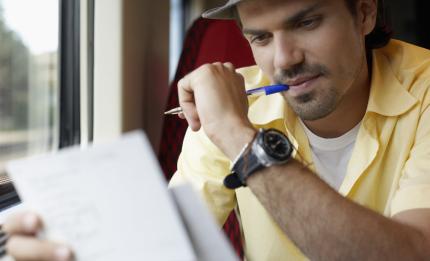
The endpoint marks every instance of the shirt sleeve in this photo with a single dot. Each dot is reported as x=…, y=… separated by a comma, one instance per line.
x=204, y=166
x=414, y=185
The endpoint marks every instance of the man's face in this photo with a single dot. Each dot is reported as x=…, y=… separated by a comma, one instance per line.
x=315, y=46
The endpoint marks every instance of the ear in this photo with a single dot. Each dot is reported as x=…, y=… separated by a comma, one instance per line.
x=367, y=11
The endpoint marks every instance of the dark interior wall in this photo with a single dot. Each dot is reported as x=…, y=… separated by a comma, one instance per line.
x=402, y=17
x=423, y=22
x=410, y=20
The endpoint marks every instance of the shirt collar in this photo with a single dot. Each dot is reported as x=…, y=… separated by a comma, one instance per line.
x=388, y=96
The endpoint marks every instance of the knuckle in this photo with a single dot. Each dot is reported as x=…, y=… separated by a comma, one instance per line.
x=11, y=226
x=229, y=65
x=180, y=90
x=205, y=68
x=180, y=83
x=209, y=69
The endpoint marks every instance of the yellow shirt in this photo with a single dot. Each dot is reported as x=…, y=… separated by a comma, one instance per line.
x=389, y=170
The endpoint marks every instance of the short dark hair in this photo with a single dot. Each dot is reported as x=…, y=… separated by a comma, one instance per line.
x=381, y=34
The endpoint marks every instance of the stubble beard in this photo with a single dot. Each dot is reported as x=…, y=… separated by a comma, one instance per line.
x=313, y=105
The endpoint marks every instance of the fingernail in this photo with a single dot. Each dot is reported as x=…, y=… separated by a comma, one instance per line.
x=63, y=254
x=30, y=222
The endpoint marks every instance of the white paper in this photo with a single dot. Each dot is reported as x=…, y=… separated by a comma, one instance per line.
x=209, y=242
x=108, y=202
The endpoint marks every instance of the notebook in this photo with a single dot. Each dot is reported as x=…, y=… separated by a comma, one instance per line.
x=110, y=202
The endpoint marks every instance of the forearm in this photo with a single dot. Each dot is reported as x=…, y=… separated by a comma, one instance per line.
x=325, y=225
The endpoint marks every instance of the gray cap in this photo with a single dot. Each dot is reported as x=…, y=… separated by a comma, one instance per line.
x=222, y=12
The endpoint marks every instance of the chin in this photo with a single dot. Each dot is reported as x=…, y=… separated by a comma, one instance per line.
x=312, y=110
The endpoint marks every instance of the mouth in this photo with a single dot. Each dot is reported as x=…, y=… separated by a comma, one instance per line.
x=301, y=85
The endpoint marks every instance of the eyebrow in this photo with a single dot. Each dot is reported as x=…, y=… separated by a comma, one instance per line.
x=289, y=21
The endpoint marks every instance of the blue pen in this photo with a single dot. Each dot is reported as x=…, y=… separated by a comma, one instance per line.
x=271, y=89
x=267, y=90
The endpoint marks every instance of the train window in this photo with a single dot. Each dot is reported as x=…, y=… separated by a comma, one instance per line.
x=39, y=81
x=29, y=77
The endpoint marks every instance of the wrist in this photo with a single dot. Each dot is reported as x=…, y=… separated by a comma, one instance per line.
x=236, y=139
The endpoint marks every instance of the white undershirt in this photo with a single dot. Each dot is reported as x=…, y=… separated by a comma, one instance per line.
x=331, y=156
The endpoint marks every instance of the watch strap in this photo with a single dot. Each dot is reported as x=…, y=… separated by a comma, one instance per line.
x=244, y=167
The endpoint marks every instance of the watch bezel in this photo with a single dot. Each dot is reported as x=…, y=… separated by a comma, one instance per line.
x=264, y=155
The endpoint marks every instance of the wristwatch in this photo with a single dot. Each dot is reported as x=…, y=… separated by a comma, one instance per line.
x=269, y=147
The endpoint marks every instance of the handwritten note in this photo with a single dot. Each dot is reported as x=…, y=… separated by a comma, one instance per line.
x=108, y=202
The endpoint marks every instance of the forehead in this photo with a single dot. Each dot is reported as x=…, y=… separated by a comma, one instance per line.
x=255, y=10
x=254, y=6
x=259, y=13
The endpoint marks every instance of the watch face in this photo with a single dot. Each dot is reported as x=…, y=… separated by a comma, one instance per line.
x=276, y=145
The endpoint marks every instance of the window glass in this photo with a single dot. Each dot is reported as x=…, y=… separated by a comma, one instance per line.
x=176, y=34
x=29, y=35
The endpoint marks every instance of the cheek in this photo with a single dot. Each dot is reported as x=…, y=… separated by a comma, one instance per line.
x=338, y=48
x=326, y=44
x=264, y=59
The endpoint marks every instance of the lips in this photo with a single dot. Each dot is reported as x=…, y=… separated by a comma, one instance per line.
x=302, y=85
x=301, y=80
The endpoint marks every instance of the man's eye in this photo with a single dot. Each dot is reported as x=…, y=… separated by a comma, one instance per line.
x=309, y=23
x=260, y=39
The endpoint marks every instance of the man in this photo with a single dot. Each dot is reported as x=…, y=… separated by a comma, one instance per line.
x=358, y=119
x=348, y=114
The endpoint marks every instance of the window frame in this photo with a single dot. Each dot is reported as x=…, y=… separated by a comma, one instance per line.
x=70, y=126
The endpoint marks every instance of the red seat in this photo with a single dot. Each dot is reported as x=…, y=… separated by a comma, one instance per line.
x=207, y=41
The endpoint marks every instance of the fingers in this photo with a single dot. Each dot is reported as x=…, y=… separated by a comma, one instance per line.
x=23, y=246
x=187, y=103
x=27, y=248
x=23, y=223
x=181, y=115
x=229, y=66
x=204, y=93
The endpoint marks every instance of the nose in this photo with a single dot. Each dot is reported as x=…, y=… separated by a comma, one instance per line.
x=287, y=52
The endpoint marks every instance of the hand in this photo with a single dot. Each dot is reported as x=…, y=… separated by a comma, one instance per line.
x=213, y=97
x=23, y=244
